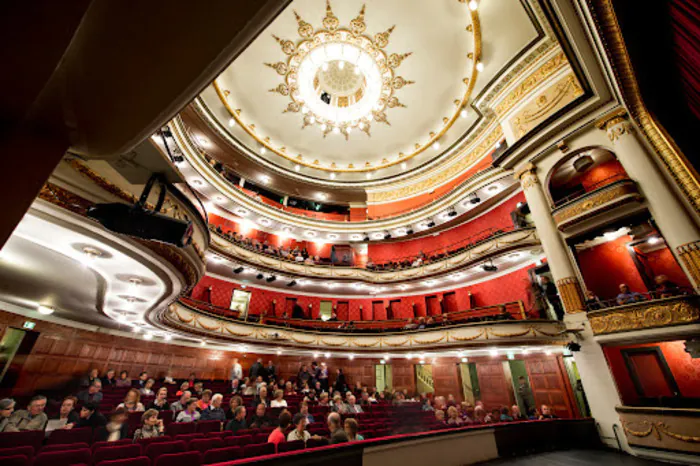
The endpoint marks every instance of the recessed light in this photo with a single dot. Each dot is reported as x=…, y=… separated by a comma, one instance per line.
x=493, y=352
x=297, y=167
x=403, y=165
x=336, y=130
x=148, y=336
x=493, y=188
x=322, y=196
x=332, y=236
x=327, y=355
x=231, y=122
x=204, y=142
x=465, y=360
x=168, y=337
x=315, y=355
x=310, y=234
x=356, y=237
x=368, y=175
x=382, y=361
x=332, y=175
x=262, y=150
x=479, y=66
x=202, y=343
x=351, y=357
x=265, y=179
x=473, y=5
x=45, y=310
x=436, y=145
x=241, y=212
x=463, y=113
x=653, y=240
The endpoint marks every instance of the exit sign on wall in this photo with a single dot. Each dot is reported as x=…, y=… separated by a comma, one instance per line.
x=29, y=325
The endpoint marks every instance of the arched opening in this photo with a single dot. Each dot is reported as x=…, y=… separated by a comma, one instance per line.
x=583, y=172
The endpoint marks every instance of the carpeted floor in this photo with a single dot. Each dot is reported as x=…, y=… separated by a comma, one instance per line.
x=576, y=458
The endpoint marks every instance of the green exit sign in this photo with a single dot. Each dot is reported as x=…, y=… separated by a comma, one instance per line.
x=29, y=325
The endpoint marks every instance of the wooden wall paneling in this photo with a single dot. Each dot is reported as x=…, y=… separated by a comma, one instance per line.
x=549, y=385
x=495, y=390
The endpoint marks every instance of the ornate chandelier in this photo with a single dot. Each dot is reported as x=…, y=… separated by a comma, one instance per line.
x=339, y=79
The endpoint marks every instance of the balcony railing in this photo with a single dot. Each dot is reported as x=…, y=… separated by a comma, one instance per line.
x=669, y=429
x=609, y=195
x=650, y=310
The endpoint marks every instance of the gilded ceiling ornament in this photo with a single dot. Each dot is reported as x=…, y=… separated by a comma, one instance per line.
x=338, y=77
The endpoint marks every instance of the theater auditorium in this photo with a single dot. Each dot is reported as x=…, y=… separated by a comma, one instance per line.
x=350, y=233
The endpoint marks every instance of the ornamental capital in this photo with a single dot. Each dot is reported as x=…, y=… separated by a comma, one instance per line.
x=608, y=121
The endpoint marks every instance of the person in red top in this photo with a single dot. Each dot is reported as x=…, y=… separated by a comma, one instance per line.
x=280, y=434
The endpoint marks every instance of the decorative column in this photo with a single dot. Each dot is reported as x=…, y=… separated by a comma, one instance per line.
x=552, y=243
x=674, y=221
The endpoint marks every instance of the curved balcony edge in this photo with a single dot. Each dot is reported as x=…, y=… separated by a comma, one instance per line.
x=595, y=203
x=184, y=318
x=489, y=248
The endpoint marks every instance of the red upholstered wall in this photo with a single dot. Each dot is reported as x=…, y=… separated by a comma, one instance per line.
x=662, y=262
x=499, y=217
x=613, y=258
x=507, y=288
x=685, y=370
x=601, y=174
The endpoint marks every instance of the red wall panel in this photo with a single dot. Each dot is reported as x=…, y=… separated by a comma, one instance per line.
x=596, y=176
x=499, y=217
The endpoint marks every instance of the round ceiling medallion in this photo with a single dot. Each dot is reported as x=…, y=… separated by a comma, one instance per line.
x=338, y=78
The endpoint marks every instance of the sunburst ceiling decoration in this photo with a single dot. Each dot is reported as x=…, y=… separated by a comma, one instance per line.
x=338, y=78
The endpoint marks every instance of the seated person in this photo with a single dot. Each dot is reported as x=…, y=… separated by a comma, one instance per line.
x=238, y=422
x=323, y=400
x=184, y=387
x=304, y=411
x=190, y=413
x=593, y=302
x=351, y=428
x=117, y=428
x=160, y=402
x=168, y=379
x=67, y=416
x=204, y=402
x=93, y=394
x=299, y=432
x=233, y=403
x=453, y=418
x=181, y=403
x=505, y=415
x=626, y=296
x=91, y=417
x=262, y=397
x=260, y=419
x=338, y=405
x=237, y=387
x=214, y=412
x=279, y=401
x=132, y=402
x=141, y=381
x=516, y=414
x=440, y=416
x=151, y=426
x=32, y=418
x=147, y=389
x=351, y=406
x=338, y=434
x=278, y=436
x=546, y=413
x=665, y=288
x=123, y=380
x=110, y=379
x=93, y=375
x=197, y=389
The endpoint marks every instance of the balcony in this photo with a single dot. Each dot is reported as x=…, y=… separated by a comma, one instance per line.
x=499, y=324
x=651, y=314
x=583, y=206
x=468, y=251
x=661, y=428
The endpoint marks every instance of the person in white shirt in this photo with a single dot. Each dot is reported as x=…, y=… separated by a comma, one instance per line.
x=190, y=414
x=299, y=432
x=351, y=406
x=279, y=401
x=236, y=370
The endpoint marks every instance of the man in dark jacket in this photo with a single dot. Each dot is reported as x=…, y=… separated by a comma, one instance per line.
x=91, y=417
x=256, y=369
x=238, y=421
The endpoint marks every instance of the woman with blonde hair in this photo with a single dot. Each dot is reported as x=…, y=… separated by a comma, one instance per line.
x=151, y=426
x=160, y=403
x=278, y=401
x=132, y=402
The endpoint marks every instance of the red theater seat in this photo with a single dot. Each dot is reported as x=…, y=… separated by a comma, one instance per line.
x=238, y=440
x=187, y=438
x=32, y=438
x=116, y=453
x=63, y=436
x=64, y=447
x=258, y=449
x=64, y=458
x=145, y=442
x=290, y=446
x=155, y=450
x=313, y=443
x=261, y=437
x=138, y=461
x=219, y=455
x=15, y=460
x=190, y=458
x=117, y=443
x=203, y=444
x=26, y=450
x=179, y=428
x=208, y=426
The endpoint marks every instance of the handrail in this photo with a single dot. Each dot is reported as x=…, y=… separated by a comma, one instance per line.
x=399, y=263
x=635, y=298
x=513, y=309
x=594, y=187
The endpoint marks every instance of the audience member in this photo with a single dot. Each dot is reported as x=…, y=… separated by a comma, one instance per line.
x=260, y=419
x=261, y=397
x=479, y=414
x=147, y=389
x=304, y=411
x=214, y=412
x=91, y=417
x=279, y=401
x=323, y=400
x=123, y=380
x=516, y=414
x=132, y=401
x=338, y=435
x=453, y=418
x=626, y=296
x=299, y=432
x=340, y=384
x=67, y=417
x=151, y=426
x=32, y=418
x=546, y=413
x=233, y=403
x=110, y=379
x=184, y=387
x=205, y=400
x=505, y=415
x=338, y=405
x=238, y=422
x=197, y=389
x=181, y=403
x=88, y=380
x=117, y=428
x=278, y=436
x=351, y=428
x=665, y=288
x=236, y=370
x=141, y=381
x=190, y=413
x=593, y=302
x=351, y=407
x=160, y=402
x=525, y=394
x=7, y=407
x=93, y=394
x=256, y=369
x=168, y=379
x=237, y=387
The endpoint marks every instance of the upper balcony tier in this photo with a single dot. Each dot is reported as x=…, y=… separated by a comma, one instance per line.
x=482, y=246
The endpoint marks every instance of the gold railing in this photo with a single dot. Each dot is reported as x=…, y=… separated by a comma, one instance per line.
x=656, y=313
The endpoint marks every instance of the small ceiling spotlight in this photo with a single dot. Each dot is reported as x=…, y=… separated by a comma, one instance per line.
x=654, y=240
x=271, y=279
x=430, y=224
x=493, y=352
x=387, y=235
x=260, y=276
x=135, y=282
x=202, y=343
x=351, y=357
x=473, y=5
x=168, y=337
x=474, y=200
x=279, y=352
x=479, y=66
x=463, y=113
x=90, y=254
x=327, y=355
x=292, y=283
x=265, y=179
x=382, y=361
x=436, y=145
x=452, y=212
x=409, y=230
x=489, y=267
x=231, y=122
x=368, y=175
x=297, y=168
x=332, y=175
x=45, y=310
x=403, y=165
x=493, y=188
x=324, y=196
x=238, y=270
x=465, y=360
x=148, y=336
x=262, y=150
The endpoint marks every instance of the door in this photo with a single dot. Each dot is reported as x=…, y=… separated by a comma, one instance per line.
x=450, y=302
x=325, y=310
x=383, y=377
x=650, y=373
x=394, y=307
x=549, y=386
x=433, y=305
x=343, y=310
x=495, y=389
